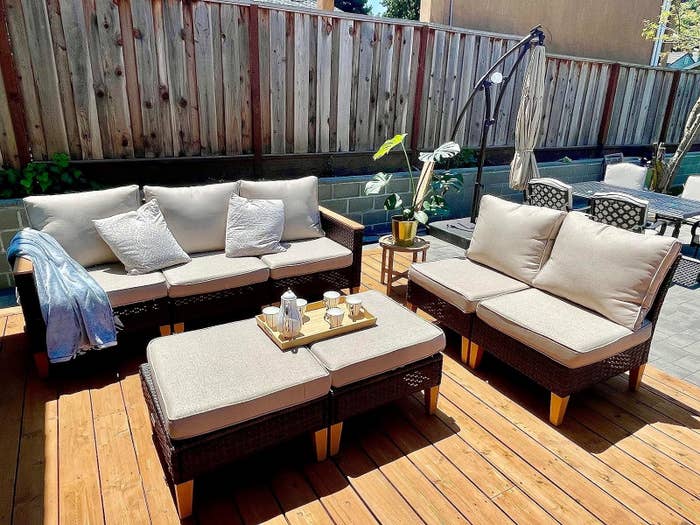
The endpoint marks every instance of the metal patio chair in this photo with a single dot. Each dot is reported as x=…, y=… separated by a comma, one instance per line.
x=549, y=193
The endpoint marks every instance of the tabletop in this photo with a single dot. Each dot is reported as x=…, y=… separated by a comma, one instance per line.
x=659, y=203
x=387, y=241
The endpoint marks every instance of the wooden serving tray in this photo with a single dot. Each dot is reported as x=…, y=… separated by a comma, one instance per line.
x=316, y=328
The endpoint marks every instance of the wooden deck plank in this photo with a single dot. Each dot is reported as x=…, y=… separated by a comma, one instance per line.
x=257, y=505
x=297, y=498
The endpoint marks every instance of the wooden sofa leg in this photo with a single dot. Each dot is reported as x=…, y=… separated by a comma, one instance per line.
x=557, y=409
x=41, y=361
x=411, y=306
x=476, y=353
x=321, y=444
x=183, y=498
x=354, y=289
x=431, y=399
x=636, y=377
x=336, y=431
x=464, y=355
x=178, y=328
x=165, y=329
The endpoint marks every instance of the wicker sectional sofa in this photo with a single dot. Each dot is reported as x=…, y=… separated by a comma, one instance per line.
x=566, y=301
x=209, y=289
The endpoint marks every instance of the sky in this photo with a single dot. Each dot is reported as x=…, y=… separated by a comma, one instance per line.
x=377, y=7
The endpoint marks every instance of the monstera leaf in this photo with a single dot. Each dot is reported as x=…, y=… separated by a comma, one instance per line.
x=444, y=151
x=389, y=145
x=377, y=184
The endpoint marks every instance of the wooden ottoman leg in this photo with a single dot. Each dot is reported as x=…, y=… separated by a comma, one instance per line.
x=431, y=399
x=355, y=289
x=336, y=431
x=465, y=350
x=178, y=328
x=636, y=377
x=165, y=329
x=41, y=361
x=183, y=498
x=321, y=444
x=475, y=355
x=557, y=409
x=411, y=306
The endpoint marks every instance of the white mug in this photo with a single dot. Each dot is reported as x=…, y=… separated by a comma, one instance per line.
x=301, y=306
x=354, y=305
x=334, y=316
x=271, y=313
x=331, y=299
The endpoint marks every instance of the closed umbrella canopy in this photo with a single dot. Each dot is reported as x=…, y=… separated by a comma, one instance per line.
x=527, y=127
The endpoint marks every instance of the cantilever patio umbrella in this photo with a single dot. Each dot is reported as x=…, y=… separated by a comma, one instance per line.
x=527, y=126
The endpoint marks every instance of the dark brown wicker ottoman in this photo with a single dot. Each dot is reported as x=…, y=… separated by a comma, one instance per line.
x=221, y=393
x=397, y=357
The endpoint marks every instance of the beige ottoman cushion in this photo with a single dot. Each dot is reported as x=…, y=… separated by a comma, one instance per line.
x=216, y=377
x=213, y=272
x=461, y=282
x=123, y=289
x=307, y=257
x=564, y=332
x=515, y=239
x=399, y=338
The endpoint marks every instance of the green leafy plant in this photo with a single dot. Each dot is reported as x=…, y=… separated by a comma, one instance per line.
x=429, y=194
x=466, y=158
x=40, y=178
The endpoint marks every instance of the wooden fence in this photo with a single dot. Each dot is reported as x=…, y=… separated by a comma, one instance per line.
x=150, y=78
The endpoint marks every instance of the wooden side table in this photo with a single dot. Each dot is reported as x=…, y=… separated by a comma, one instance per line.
x=388, y=274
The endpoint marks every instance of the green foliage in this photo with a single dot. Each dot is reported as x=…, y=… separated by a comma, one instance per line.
x=433, y=201
x=40, y=178
x=682, y=21
x=466, y=158
x=359, y=7
x=408, y=9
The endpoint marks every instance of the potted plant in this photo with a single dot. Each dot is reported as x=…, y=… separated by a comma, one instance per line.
x=428, y=195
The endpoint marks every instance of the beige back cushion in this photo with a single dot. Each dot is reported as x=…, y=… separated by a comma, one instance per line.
x=196, y=215
x=515, y=239
x=614, y=272
x=302, y=220
x=68, y=218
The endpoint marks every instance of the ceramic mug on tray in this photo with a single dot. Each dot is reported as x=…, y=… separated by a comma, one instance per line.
x=354, y=305
x=270, y=314
x=301, y=306
x=331, y=299
x=334, y=316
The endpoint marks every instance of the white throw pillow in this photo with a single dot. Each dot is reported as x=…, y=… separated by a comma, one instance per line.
x=141, y=240
x=302, y=219
x=254, y=227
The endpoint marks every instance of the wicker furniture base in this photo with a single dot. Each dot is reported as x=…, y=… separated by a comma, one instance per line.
x=446, y=314
x=688, y=273
x=183, y=460
x=350, y=400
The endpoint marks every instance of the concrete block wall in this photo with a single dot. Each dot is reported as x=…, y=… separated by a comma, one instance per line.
x=12, y=219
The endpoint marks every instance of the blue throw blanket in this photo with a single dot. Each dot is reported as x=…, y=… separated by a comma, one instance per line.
x=76, y=309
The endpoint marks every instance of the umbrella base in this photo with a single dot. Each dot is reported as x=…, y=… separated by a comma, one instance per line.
x=455, y=231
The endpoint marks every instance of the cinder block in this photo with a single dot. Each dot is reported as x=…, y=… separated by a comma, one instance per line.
x=375, y=217
x=325, y=191
x=361, y=204
x=9, y=219
x=347, y=189
x=337, y=205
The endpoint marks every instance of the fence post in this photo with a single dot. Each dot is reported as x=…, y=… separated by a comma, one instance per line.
x=670, y=103
x=608, y=106
x=254, y=48
x=420, y=79
x=12, y=88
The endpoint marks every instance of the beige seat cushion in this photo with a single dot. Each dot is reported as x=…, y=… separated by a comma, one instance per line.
x=399, y=338
x=514, y=239
x=216, y=377
x=123, y=289
x=212, y=272
x=614, y=272
x=196, y=215
x=306, y=257
x=564, y=332
x=68, y=218
x=302, y=219
x=461, y=282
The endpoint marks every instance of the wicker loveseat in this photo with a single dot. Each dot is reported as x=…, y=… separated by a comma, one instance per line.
x=209, y=289
x=567, y=301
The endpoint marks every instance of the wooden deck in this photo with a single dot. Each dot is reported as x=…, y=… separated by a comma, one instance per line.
x=79, y=450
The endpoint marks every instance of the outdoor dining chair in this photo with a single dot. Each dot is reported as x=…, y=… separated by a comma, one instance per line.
x=625, y=175
x=691, y=190
x=549, y=193
x=618, y=209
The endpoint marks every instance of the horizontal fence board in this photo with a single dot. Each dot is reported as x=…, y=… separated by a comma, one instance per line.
x=160, y=78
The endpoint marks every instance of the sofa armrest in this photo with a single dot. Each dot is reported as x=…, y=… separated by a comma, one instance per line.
x=22, y=266
x=347, y=233
x=23, y=273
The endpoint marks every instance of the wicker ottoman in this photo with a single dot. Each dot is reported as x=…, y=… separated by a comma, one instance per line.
x=220, y=393
x=397, y=357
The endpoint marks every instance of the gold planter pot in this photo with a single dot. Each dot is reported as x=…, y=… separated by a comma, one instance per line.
x=404, y=232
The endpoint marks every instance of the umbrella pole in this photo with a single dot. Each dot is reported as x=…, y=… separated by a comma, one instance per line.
x=488, y=121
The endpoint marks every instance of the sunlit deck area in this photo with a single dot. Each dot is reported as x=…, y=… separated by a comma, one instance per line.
x=78, y=449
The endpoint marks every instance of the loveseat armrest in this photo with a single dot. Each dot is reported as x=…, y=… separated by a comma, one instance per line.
x=348, y=233
x=35, y=327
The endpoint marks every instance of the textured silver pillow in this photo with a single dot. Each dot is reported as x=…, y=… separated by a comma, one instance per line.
x=254, y=227
x=141, y=240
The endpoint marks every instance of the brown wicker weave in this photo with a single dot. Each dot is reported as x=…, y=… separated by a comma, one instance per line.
x=186, y=459
x=359, y=397
x=555, y=377
x=447, y=315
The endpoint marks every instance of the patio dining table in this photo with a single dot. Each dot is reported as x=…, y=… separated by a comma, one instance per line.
x=669, y=207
